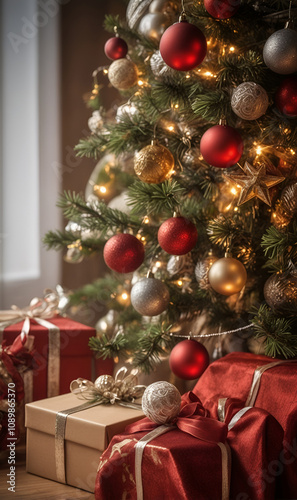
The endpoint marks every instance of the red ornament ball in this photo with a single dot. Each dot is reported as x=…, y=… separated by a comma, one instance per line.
x=123, y=253
x=188, y=359
x=115, y=48
x=221, y=146
x=286, y=97
x=222, y=9
x=183, y=46
x=177, y=236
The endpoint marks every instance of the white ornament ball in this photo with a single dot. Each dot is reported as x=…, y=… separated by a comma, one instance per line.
x=161, y=402
x=152, y=26
x=150, y=297
x=249, y=101
x=95, y=122
x=280, y=51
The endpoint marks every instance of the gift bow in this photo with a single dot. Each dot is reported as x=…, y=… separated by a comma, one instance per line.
x=40, y=309
x=122, y=389
x=193, y=419
x=43, y=308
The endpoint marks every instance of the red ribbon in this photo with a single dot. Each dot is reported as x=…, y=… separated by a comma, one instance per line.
x=193, y=419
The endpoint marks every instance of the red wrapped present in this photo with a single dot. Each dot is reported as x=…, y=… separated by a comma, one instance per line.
x=265, y=383
x=16, y=361
x=61, y=344
x=192, y=464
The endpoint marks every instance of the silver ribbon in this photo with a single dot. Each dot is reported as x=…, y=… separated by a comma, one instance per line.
x=40, y=309
x=60, y=428
x=141, y=444
x=257, y=379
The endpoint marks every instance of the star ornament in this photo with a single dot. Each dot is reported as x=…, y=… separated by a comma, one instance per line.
x=254, y=183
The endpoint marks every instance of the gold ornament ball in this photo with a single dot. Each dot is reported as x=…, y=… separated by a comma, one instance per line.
x=227, y=276
x=154, y=164
x=123, y=74
x=104, y=383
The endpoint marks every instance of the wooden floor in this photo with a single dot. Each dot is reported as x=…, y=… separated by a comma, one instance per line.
x=29, y=486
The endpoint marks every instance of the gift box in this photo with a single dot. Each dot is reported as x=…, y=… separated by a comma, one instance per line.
x=62, y=353
x=70, y=453
x=193, y=464
x=264, y=383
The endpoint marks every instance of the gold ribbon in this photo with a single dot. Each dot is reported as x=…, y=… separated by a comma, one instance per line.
x=40, y=309
x=122, y=389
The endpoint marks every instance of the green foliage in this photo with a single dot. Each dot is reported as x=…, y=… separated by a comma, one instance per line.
x=146, y=199
x=212, y=105
x=154, y=344
x=276, y=331
x=108, y=348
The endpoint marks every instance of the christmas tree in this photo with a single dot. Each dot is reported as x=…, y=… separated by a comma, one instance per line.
x=193, y=201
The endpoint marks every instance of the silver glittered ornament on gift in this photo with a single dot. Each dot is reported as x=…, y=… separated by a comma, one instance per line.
x=280, y=51
x=159, y=67
x=152, y=26
x=150, y=297
x=161, y=402
x=249, y=101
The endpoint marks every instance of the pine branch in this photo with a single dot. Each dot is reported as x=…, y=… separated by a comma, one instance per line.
x=108, y=348
x=96, y=215
x=154, y=344
x=155, y=198
x=279, y=246
x=91, y=147
x=101, y=290
x=277, y=332
x=58, y=239
x=212, y=106
x=236, y=69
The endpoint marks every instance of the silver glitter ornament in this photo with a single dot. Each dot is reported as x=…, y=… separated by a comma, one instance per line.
x=280, y=51
x=161, y=402
x=201, y=271
x=150, y=297
x=249, y=101
x=135, y=10
x=152, y=26
x=159, y=67
x=280, y=292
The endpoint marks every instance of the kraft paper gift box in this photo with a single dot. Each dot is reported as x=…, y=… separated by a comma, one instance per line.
x=87, y=434
x=71, y=356
x=265, y=383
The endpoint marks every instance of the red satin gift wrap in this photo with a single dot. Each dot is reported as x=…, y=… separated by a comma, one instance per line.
x=255, y=442
x=175, y=465
x=75, y=355
x=179, y=466
x=231, y=376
